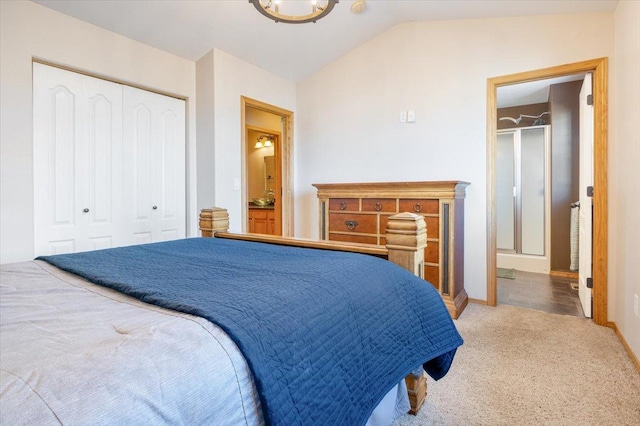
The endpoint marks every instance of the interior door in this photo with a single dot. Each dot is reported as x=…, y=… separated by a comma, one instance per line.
x=154, y=167
x=77, y=126
x=140, y=133
x=57, y=160
x=277, y=219
x=586, y=180
x=170, y=191
x=102, y=163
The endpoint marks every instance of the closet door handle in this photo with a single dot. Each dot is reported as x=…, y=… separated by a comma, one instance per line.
x=155, y=207
x=85, y=210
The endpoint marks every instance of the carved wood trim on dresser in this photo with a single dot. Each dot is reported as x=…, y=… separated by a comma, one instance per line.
x=358, y=213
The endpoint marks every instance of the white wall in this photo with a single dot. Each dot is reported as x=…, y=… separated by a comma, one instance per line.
x=28, y=31
x=624, y=176
x=234, y=78
x=348, y=112
x=205, y=131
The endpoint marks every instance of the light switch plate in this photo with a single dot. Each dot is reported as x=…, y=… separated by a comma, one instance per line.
x=403, y=117
x=411, y=116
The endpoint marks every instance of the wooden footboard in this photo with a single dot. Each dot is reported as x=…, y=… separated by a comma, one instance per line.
x=406, y=237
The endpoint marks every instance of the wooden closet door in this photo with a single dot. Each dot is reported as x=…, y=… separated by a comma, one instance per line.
x=154, y=167
x=77, y=128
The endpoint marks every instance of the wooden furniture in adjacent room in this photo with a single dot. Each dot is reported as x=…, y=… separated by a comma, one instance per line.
x=358, y=212
x=261, y=220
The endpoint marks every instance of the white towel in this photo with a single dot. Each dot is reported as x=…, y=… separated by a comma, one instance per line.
x=574, y=235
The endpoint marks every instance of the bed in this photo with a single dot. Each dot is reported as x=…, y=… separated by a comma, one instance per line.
x=129, y=335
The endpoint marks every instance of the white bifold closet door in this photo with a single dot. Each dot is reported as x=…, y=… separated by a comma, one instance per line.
x=84, y=180
x=154, y=167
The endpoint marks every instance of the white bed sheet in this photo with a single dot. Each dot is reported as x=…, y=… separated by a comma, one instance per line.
x=104, y=358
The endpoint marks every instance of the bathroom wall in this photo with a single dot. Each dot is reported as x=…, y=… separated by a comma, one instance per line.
x=255, y=165
x=565, y=167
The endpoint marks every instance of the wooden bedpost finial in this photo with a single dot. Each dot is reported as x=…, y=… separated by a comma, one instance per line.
x=406, y=239
x=213, y=220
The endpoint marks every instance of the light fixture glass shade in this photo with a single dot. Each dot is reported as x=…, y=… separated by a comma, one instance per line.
x=271, y=9
x=258, y=145
x=267, y=143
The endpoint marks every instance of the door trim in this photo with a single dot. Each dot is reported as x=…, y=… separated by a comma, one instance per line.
x=286, y=157
x=600, y=232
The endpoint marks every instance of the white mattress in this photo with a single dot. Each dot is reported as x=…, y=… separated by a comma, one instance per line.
x=76, y=353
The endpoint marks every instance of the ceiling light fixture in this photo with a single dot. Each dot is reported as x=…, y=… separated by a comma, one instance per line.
x=264, y=141
x=358, y=6
x=271, y=9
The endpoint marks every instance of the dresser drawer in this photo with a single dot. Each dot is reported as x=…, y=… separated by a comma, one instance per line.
x=258, y=213
x=433, y=226
x=379, y=205
x=352, y=238
x=345, y=204
x=432, y=252
x=420, y=206
x=384, y=218
x=432, y=274
x=353, y=222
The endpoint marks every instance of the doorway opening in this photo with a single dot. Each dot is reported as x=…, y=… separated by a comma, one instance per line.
x=267, y=133
x=598, y=68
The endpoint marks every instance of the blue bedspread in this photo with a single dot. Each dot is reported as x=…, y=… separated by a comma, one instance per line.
x=326, y=334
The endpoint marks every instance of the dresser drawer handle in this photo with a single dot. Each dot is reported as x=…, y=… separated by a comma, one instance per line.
x=351, y=224
x=343, y=205
x=378, y=207
x=417, y=207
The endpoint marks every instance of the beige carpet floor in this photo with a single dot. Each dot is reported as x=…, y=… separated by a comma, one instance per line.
x=525, y=367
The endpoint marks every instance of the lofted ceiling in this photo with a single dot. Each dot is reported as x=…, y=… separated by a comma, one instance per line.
x=190, y=29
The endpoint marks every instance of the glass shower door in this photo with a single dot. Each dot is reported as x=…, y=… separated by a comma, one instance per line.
x=521, y=171
x=506, y=192
x=532, y=184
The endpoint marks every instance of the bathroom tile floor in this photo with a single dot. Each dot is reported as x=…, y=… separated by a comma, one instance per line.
x=541, y=292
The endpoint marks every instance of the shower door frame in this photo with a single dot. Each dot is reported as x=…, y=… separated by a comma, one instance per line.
x=518, y=188
x=516, y=258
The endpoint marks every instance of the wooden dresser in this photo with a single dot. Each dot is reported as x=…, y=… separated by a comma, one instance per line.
x=358, y=212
